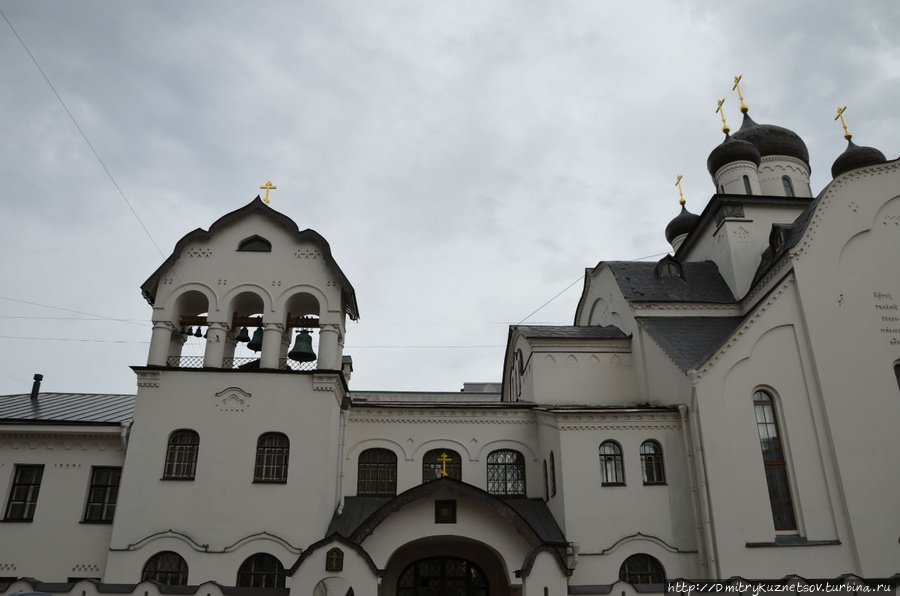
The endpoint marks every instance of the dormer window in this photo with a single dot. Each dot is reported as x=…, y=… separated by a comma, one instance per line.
x=778, y=236
x=788, y=186
x=255, y=244
x=669, y=267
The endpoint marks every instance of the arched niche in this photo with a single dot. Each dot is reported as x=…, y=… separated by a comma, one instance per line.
x=303, y=304
x=189, y=304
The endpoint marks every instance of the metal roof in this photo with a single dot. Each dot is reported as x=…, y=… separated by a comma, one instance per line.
x=571, y=332
x=690, y=341
x=66, y=408
x=700, y=282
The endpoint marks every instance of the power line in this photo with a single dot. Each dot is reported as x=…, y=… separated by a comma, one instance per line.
x=77, y=312
x=83, y=135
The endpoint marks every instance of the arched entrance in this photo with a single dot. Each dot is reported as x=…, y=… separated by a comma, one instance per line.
x=442, y=576
x=446, y=566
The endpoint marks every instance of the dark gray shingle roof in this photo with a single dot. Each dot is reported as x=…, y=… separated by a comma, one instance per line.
x=690, y=341
x=572, y=332
x=66, y=408
x=700, y=282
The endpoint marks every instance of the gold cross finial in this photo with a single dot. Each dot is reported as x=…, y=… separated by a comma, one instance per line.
x=680, y=194
x=444, y=458
x=268, y=186
x=737, y=85
x=840, y=114
x=719, y=110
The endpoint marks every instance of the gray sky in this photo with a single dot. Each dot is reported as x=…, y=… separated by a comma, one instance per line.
x=465, y=160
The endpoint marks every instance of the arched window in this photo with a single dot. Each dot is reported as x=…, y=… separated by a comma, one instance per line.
x=255, y=244
x=747, y=188
x=612, y=472
x=788, y=186
x=546, y=482
x=377, y=473
x=652, y=467
x=506, y=473
x=166, y=568
x=261, y=570
x=272, y=450
x=897, y=373
x=442, y=575
x=773, y=459
x=434, y=461
x=181, y=455
x=642, y=569
x=552, y=476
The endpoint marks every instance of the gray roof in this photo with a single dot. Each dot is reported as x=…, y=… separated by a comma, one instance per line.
x=572, y=332
x=66, y=408
x=700, y=282
x=690, y=341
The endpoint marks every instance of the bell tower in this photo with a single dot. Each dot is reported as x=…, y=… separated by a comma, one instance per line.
x=240, y=407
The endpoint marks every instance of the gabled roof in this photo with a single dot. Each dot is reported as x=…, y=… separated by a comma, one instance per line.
x=690, y=341
x=66, y=408
x=149, y=287
x=700, y=282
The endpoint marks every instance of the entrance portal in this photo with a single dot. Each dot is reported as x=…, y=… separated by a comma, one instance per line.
x=442, y=576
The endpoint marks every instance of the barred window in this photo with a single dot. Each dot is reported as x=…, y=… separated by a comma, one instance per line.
x=103, y=494
x=272, y=450
x=774, y=462
x=506, y=473
x=261, y=570
x=652, y=468
x=377, y=473
x=642, y=569
x=24, y=494
x=181, y=456
x=433, y=464
x=167, y=568
x=612, y=472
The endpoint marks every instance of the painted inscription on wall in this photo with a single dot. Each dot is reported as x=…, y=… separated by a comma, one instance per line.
x=889, y=313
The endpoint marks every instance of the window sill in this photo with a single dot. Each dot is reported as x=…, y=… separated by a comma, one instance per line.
x=17, y=521
x=656, y=484
x=177, y=478
x=93, y=522
x=256, y=481
x=792, y=540
x=612, y=484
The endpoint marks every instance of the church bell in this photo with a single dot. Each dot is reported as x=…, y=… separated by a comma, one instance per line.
x=255, y=343
x=243, y=335
x=302, y=350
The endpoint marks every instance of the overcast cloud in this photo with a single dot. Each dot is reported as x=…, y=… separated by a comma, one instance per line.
x=465, y=160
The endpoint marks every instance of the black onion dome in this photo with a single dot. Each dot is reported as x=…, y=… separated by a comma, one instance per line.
x=729, y=151
x=684, y=223
x=855, y=157
x=772, y=140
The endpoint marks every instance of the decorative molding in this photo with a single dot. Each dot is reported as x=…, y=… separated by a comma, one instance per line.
x=684, y=306
x=640, y=536
x=431, y=415
x=261, y=536
x=148, y=378
x=66, y=466
x=199, y=253
x=726, y=211
x=233, y=399
x=86, y=568
x=308, y=253
x=59, y=440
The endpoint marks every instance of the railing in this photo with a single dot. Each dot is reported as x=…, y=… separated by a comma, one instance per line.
x=241, y=363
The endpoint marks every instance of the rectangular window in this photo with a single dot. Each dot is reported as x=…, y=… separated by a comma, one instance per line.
x=24, y=494
x=103, y=494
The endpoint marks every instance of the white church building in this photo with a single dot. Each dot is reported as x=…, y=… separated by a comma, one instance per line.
x=730, y=411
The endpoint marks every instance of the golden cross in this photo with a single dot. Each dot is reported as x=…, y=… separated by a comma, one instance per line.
x=719, y=110
x=737, y=85
x=268, y=186
x=444, y=458
x=681, y=194
x=335, y=557
x=840, y=114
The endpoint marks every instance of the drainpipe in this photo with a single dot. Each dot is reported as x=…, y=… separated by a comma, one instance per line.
x=123, y=436
x=692, y=477
x=345, y=414
x=702, y=487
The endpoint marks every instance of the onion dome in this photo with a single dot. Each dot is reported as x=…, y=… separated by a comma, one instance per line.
x=729, y=151
x=856, y=157
x=684, y=223
x=772, y=140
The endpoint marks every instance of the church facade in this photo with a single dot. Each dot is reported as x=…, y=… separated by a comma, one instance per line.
x=728, y=411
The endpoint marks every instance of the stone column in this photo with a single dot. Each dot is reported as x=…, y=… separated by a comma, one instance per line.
x=215, y=344
x=160, y=343
x=329, y=353
x=271, y=345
